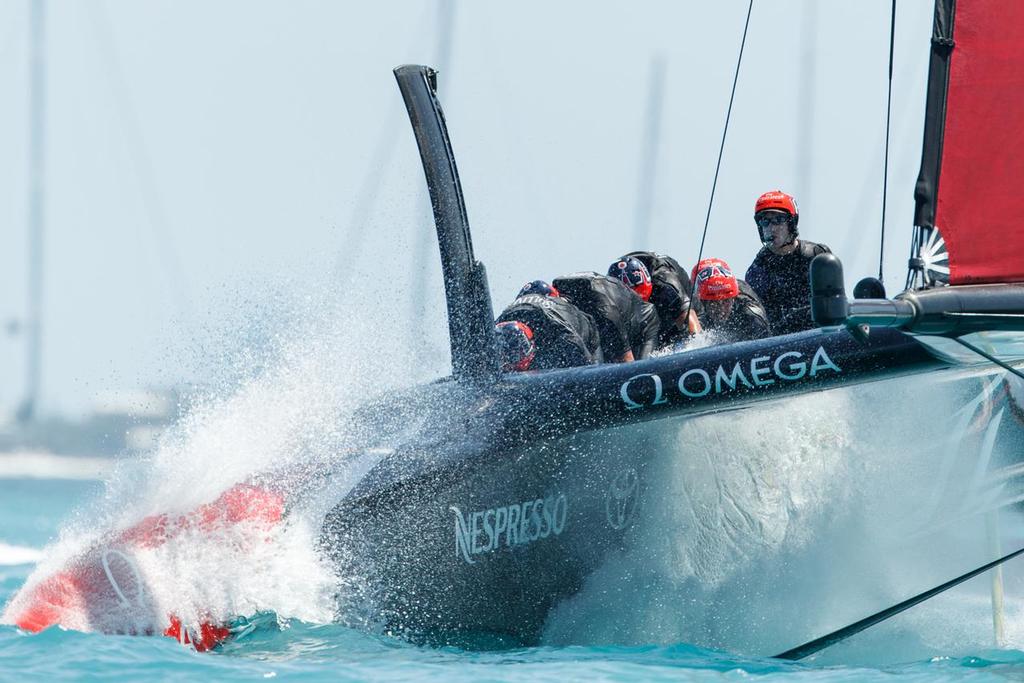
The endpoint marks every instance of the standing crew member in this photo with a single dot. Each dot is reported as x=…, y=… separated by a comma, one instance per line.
x=668, y=291
x=541, y=330
x=732, y=310
x=628, y=326
x=780, y=271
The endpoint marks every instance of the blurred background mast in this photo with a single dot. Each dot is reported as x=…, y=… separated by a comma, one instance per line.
x=806, y=80
x=37, y=114
x=649, y=157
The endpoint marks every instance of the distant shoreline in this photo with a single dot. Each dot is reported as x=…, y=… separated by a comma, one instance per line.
x=43, y=465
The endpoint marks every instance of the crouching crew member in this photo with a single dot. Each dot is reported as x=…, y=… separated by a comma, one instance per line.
x=662, y=282
x=627, y=325
x=779, y=273
x=732, y=310
x=541, y=330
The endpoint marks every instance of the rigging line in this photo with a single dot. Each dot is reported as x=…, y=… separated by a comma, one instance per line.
x=854, y=245
x=989, y=356
x=721, y=147
x=998, y=316
x=818, y=644
x=888, y=117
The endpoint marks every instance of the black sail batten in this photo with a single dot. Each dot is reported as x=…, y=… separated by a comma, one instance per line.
x=470, y=316
x=927, y=188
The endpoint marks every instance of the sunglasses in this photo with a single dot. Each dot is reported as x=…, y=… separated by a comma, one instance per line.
x=711, y=271
x=767, y=220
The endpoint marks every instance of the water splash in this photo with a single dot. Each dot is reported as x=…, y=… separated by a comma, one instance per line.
x=281, y=418
x=776, y=524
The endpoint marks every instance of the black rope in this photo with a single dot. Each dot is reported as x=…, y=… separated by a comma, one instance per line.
x=888, y=117
x=819, y=644
x=721, y=149
x=988, y=356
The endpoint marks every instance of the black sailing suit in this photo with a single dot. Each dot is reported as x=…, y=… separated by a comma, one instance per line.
x=624, y=321
x=670, y=294
x=747, y=320
x=783, y=284
x=563, y=335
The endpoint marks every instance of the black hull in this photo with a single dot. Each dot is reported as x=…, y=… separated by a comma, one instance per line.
x=434, y=536
x=502, y=495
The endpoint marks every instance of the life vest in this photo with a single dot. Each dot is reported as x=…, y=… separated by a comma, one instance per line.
x=747, y=320
x=564, y=335
x=782, y=284
x=625, y=322
x=671, y=292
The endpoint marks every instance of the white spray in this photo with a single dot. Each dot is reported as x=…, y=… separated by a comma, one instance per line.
x=286, y=416
x=766, y=527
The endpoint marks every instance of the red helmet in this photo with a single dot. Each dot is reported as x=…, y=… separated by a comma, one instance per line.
x=514, y=341
x=770, y=208
x=714, y=280
x=778, y=200
x=634, y=274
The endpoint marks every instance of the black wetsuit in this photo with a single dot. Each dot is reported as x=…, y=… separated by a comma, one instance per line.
x=670, y=293
x=783, y=285
x=747, y=320
x=563, y=335
x=624, y=320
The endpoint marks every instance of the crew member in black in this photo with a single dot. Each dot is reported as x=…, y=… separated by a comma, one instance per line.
x=667, y=287
x=628, y=326
x=562, y=335
x=780, y=271
x=732, y=310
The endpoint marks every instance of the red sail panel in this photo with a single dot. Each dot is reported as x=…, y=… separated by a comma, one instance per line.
x=980, y=208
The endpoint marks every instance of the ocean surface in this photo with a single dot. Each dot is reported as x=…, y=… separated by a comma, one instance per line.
x=769, y=527
x=32, y=511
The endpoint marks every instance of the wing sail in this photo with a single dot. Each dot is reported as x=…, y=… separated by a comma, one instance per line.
x=969, y=196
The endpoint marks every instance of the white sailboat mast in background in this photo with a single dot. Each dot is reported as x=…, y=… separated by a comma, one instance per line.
x=36, y=218
x=652, y=142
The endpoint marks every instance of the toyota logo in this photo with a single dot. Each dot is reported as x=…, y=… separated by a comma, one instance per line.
x=621, y=501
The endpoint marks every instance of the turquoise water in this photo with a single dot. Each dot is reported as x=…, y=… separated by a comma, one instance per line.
x=33, y=511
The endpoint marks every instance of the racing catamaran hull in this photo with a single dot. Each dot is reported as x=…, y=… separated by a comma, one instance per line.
x=514, y=489
x=527, y=485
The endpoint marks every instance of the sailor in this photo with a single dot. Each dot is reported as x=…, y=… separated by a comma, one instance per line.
x=541, y=330
x=779, y=273
x=731, y=309
x=628, y=325
x=661, y=281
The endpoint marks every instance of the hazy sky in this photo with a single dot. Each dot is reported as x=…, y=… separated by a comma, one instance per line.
x=202, y=154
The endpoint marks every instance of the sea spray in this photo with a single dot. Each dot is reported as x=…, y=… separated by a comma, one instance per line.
x=764, y=527
x=281, y=417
